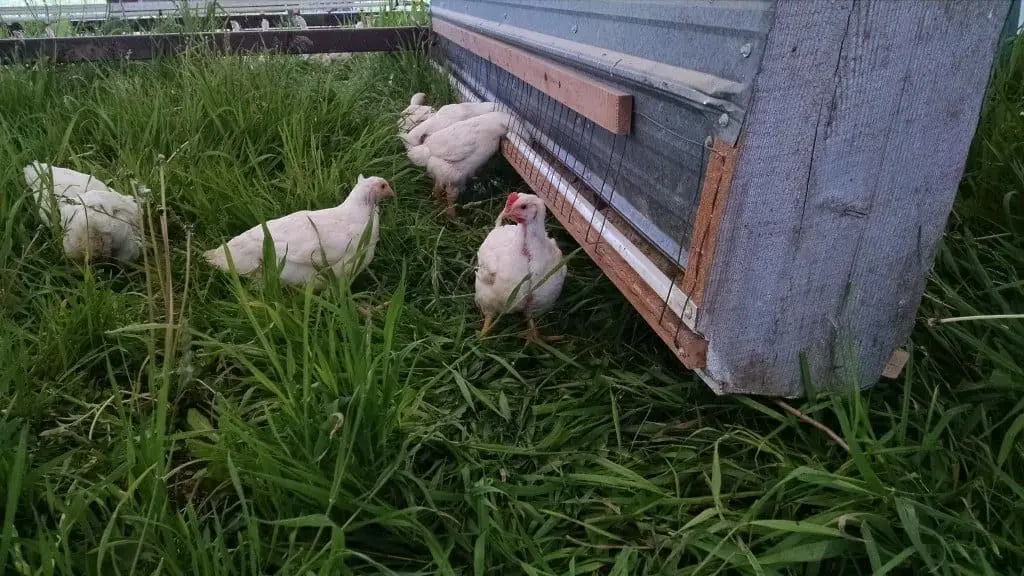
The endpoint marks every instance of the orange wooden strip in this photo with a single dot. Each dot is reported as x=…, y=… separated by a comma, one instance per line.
x=609, y=108
x=710, y=208
x=690, y=348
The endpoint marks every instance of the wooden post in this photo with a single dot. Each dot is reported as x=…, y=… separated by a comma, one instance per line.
x=859, y=126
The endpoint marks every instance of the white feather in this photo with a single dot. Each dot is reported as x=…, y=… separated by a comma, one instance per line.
x=98, y=223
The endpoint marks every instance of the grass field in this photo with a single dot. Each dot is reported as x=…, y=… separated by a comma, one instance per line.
x=169, y=419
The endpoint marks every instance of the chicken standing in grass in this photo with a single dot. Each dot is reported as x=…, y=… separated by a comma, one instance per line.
x=444, y=117
x=414, y=114
x=307, y=241
x=98, y=223
x=452, y=155
x=519, y=268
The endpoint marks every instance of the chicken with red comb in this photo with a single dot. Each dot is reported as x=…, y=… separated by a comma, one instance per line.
x=519, y=268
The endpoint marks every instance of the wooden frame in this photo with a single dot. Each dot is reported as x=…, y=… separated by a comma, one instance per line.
x=246, y=21
x=150, y=46
x=608, y=107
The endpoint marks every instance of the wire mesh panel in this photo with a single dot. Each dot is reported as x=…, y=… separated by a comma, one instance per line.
x=651, y=177
x=593, y=180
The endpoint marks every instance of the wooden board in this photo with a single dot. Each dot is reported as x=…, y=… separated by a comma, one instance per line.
x=710, y=209
x=688, y=347
x=150, y=46
x=608, y=107
x=855, y=142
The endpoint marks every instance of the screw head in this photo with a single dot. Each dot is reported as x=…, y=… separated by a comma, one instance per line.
x=723, y=120
x=746, y=49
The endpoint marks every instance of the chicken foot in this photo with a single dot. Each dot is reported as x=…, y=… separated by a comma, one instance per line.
x=367, y=310
x=532, y=333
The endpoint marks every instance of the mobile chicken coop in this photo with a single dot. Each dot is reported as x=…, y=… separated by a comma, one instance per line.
x=764, y=180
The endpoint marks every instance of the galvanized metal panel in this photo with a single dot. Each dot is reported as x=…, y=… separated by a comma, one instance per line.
x=690, y=65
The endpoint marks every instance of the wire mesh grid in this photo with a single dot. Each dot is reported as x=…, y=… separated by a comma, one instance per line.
x=647, y=188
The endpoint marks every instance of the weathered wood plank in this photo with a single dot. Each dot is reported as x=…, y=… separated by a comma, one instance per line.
x=861, y=119
x=610, y=108
x=150, y=46
x=147, y=23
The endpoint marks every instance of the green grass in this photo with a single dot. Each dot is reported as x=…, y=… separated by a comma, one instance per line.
x=167, y=418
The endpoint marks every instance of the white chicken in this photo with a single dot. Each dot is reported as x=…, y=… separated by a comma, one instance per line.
x=98, y=223
x=453, y=154
x=444, y=117
x=299, y=21
x=414, y=114
x=307, y=241
x=519, y=268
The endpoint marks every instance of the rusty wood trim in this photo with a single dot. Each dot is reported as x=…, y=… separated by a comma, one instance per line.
x=150, y=46
x=689, y=347
x=710, y=209
x=608, y=107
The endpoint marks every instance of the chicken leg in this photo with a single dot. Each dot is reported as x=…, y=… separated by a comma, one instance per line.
x=533, y=334
x=487, y=325
x=367, y=310
x=451, y=193
x=435, y=193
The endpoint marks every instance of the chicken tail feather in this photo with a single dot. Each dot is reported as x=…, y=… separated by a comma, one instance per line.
x=245, y=263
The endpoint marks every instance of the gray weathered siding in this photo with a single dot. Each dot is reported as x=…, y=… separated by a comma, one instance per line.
x=854, y=144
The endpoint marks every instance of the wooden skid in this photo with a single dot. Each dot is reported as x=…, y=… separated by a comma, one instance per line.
x=148, y=47
x=690, y=348
x=608, y=107
x=144, y=23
